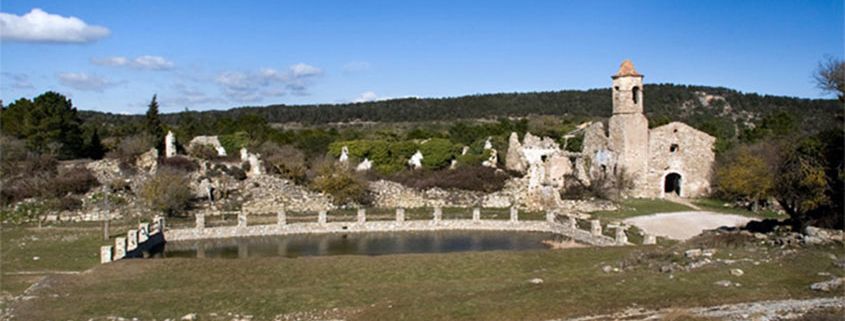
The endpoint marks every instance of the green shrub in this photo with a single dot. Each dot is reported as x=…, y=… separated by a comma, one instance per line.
x=438, y=153
x=168, y=192
x=387, y=157
x=24, y=212
x=233, y=143
x=342, y=183
x=471, y=178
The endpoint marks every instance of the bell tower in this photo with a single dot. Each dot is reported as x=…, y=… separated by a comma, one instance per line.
x=627, y=90
x=628, y=127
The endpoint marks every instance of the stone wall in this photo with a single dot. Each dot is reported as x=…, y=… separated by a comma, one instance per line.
x=361, y=225
x=692, y=158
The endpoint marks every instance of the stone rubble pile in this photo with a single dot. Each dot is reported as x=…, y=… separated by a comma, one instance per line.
x=269, y=194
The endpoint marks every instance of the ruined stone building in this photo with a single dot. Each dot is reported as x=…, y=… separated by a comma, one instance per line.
x=671, y=159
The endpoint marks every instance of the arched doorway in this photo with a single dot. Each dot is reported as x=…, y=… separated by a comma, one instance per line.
x=672, y=184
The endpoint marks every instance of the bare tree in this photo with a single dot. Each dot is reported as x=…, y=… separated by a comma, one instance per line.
x=830, y=77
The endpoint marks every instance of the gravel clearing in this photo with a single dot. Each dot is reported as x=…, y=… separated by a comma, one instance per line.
x=684, y=225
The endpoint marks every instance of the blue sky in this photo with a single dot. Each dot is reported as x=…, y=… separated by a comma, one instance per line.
x=221, y=54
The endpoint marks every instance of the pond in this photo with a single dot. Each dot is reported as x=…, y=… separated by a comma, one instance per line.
x=376, y=243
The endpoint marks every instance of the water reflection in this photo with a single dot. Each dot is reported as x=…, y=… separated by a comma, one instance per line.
x=360, y=244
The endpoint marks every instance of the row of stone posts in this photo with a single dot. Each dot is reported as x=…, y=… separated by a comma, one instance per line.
x=134, y=238
x=322, y=218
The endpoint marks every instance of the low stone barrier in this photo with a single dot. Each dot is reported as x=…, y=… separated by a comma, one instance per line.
x=140, y=240
x=437, y=223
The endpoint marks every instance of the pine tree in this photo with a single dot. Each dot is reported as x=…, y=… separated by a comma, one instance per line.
x=152, y=125
x=187, y=124
x=94, y=147
x=50, y=124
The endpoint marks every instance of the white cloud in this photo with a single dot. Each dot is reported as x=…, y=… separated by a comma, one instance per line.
x=145, y=62
x=152, y=63
x=110, y=61
x=356, y=66
x=85, y=82
x=365, y=97
x=189, y=96
x=16, y=81
x=301, y=70
x=267, y=82
x=40, y=26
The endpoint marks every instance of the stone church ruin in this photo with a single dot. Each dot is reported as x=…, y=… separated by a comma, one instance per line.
x=673, y=160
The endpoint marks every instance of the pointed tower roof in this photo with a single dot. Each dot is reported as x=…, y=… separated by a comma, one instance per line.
x=627, y=70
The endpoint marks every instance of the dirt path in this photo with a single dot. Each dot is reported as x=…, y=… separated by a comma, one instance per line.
x=684, y=225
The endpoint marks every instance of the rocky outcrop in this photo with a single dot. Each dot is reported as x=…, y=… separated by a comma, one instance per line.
x=105, y=170
x=514, y=160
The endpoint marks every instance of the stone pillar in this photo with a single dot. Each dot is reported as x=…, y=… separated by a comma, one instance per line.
x=400, y=215
x=476, y=214
x=119, y=248
x=362, y=216
x=595, y=227
x=514, y=214
x=169, y=145
x=438, y=214
x=131, y=240
x=200, y=219
x=143, y=232
x=573, y=223
x=649, y=239
x=281, y=218
x=321, y=217
x=160, y=221
x=105, y=254
x=550, y=216
x=242, y=222
x=156, y=228
x=621, y=237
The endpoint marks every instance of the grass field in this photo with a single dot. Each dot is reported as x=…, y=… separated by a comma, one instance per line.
x=714, y=205
x=456, y=286
x=642, y=206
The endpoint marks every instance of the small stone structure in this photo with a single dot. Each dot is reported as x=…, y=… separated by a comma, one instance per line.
x=281, y=218
x=322, y=217
x=364, y=165
x=595, y=227
x=344, y=154
x=362, y=216
x=400, y=215
x=649, y=239
x=416, y=160
x=211, y=141
x=169, y=145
